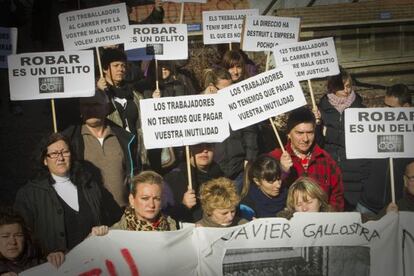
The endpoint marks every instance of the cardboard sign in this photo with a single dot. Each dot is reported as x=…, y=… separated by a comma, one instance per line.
x=263, y=33
x=263, y=96
x=101, y=26
x=379, y=132
x=162, y=41
x=48, y=75
x=224, y=26
x=8, y=44
x=310, y=59
x=184, y=120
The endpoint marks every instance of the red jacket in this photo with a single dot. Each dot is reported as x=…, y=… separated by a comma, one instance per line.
x=322, y=168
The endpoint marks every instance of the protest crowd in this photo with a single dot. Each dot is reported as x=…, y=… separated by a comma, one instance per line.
x=98, y=173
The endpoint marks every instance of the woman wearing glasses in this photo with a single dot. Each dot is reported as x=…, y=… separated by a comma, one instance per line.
x=63, y=202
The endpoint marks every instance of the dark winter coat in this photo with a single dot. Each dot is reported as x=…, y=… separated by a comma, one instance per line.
x=42, y=210
x=177, y=182
x=241, y=145
x=170, y=87
x=355, y=172
x=262, y=205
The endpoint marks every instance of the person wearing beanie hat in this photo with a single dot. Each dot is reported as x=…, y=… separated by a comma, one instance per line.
x=155, y=17
x=303, y=157
x=123, y=97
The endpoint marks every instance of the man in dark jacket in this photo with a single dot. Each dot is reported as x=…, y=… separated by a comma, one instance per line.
x=185, y=205
x=107, y=146
x=376, y=193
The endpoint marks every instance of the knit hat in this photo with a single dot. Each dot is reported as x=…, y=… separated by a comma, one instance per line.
x=132, y=3
x=110, y=55
x=98, y=98
x=298, y=116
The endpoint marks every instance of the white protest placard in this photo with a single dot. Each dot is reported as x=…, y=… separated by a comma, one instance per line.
x=310, y=59
x=49, y=75
x=224, y=26
x=8, y=44
x=379, y=132
x=263, y=96
x=162, y=41
x=184, y=120
x=94, y=27
x=263, y=33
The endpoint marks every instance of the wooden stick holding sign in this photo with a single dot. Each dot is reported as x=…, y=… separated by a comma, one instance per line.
x=188, y=157
x=270, y=119
x=312, y=95
x=392, y=180
x=52, y=102
x=182, y=13
x=267, y=61
x=98, y=57
x=157, y=86
x=242, y=32
x=277, y=135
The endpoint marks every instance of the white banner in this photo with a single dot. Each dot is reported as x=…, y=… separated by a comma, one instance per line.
x=406, y=252
x=129, y=253
x=310, y=59
x=379, y=132
x=263, y=33
x=159, y=41
x=263, y=96
x=8, y=44
x=309, y=244
x=184, y=120
x=224, y=26
x=330, y=244
x=94, y=27
x=48, y=75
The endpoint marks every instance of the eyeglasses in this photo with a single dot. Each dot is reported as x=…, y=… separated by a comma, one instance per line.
x=410, y=178
x=55, y=154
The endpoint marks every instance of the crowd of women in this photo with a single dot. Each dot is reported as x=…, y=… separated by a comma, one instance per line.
x=233, y=182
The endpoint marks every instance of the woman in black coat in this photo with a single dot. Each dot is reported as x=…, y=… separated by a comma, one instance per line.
x=63, y=201
x=340, y=96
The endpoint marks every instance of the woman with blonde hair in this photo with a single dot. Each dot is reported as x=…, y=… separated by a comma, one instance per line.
x=144, y=211
x=219, y=200
x=305, y=195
